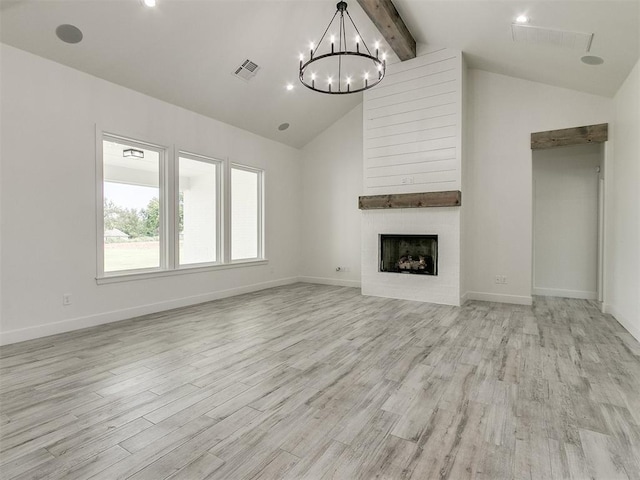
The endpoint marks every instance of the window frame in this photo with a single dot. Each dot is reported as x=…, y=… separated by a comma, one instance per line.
x=260, y=172
x=219, y=164
x=163, y=190
x=169, y=210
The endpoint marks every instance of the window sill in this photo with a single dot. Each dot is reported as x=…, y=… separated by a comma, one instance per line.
x=128, y=277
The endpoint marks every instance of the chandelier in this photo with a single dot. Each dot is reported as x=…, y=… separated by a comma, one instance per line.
x=340, y=70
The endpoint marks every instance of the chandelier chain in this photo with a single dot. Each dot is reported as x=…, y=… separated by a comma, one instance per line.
x=358, y=32
x=325, y=33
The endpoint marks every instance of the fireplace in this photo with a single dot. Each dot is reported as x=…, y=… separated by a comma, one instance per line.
x=409, y=254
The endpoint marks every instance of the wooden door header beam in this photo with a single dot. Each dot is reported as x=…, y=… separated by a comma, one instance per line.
x=388, y=21
x=570, y=136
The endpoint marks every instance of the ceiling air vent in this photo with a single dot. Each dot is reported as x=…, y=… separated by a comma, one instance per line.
x=247, y=70
x=551, y=38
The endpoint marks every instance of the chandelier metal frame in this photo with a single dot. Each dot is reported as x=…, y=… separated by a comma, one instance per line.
x=380, y=65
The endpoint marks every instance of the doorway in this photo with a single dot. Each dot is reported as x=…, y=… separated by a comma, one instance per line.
x=568, y=221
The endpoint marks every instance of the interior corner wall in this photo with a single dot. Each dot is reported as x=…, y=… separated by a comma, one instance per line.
x=622, y=244
x=502, y=113
x=464, y=179
x=48, y=199
x=332, y=180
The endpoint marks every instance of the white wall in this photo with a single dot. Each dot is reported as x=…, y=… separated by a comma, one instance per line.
x=622, y=280
x=48, y=198
x=332, y=179
x=565, y=221
x=502, y=113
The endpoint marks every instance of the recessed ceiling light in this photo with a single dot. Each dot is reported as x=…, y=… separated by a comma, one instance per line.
x=69, y=33
x=592, y=60
x=283, y=126
x=289, y=86
x=522, y=19
x=149, y=3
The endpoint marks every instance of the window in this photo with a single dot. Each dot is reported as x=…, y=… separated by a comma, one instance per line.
x=131, y=206
x=197, y=209
x=246, y=213
x=161, y=212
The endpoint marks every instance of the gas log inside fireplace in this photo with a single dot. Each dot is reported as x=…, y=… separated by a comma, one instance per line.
x=409, y=254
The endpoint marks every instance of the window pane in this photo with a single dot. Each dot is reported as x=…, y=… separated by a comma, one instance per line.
x=131, y=207
x=197, y=211
x=244, y=214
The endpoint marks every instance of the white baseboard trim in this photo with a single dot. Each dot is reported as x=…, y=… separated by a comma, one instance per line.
x=464, y=298
x=499, y=298
x=628, y=326
x=39, y=331
x=330, y=281
x=556, y=292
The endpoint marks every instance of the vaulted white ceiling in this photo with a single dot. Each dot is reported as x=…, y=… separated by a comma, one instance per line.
x=184, y=52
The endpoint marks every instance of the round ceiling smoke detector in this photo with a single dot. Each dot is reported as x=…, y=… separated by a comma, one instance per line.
x=283, y=126
x=69, y=33
x=592, y=60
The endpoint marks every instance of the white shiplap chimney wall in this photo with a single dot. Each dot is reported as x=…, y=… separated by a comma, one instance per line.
x=412, y=126
x=413, y=143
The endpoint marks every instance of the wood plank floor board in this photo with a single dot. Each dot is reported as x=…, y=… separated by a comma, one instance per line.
x=318, y=382
x=25, y=463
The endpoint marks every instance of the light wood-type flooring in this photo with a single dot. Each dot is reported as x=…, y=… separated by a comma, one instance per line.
x=319, y=382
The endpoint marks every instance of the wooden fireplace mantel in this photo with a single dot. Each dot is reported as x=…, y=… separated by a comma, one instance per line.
x=451, y=198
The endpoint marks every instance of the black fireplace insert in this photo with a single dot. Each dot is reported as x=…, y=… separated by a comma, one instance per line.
x=409, y=254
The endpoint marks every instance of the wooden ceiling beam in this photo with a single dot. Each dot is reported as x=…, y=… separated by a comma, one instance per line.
x=388, y=21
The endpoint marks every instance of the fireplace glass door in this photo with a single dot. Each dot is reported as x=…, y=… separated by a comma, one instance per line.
x=409, y=254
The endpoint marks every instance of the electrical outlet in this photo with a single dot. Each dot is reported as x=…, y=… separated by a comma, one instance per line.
x=66, y=299
x=407, y=180
x=504, y=280
x=498, y=278
x=501, y=280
